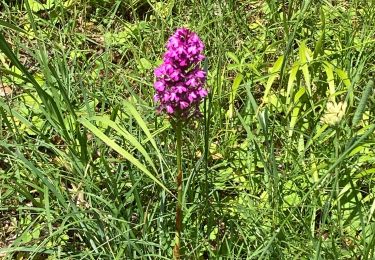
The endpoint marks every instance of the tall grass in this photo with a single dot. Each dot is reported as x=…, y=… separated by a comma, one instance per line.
x=87, y=167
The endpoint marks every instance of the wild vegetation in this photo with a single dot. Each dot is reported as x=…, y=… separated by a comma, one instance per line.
x=280, y=166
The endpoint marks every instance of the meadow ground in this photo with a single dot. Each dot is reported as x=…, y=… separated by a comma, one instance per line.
x=280, y=166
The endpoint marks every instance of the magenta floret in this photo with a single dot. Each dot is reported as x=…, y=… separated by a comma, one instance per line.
x=180, y=79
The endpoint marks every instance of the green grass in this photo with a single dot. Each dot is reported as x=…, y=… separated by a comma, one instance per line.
x=87, y=167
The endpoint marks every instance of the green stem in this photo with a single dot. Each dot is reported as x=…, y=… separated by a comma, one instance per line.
x=177, y=246
x=337, y=172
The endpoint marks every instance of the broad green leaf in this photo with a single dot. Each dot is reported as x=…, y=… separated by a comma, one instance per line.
x=233, y=56
x=291, y=80
x=233, y=94
x=130, y=109
x=314, y=168
x=274, y=73
x=36, y=6
x=344, y=77
x=330, y=80
x=144, y=64
x=292, y=199
x=293, y=119
x=123, y=132
x=319, y=45
x=121, y=151
x=299, y=94
x=304, y=55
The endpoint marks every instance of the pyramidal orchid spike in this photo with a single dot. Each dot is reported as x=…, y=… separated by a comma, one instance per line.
x=180, y=79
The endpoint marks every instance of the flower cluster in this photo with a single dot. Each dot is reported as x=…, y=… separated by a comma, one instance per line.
x=334, y=113
x=180, y=80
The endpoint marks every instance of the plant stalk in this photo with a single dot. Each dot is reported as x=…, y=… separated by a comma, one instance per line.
x=177, y=245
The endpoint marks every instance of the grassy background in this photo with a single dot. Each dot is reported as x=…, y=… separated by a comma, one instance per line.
x=87, y=168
